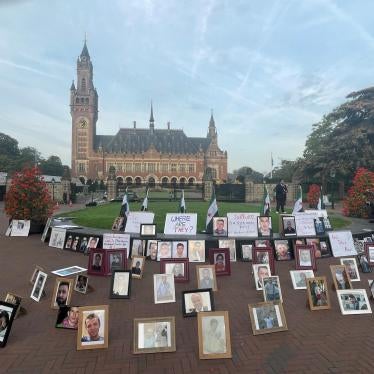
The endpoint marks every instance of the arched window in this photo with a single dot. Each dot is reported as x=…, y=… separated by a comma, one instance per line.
x=182, y=182
x=151, y=182
x=164, y=181
x=138, y=181
x=120, y=181
x=129, y=181
x=173, y=181
x=191, y=181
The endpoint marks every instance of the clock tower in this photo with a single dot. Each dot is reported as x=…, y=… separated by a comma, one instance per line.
x=84, y=114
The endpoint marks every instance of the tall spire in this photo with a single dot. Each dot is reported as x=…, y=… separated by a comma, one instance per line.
x=212, y=132
x=211, y=122
x=85, y=49
x=151, y=119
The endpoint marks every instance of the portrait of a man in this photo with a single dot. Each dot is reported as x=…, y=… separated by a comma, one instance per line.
x=219, y=226
x=164, y=290
x=93, y=330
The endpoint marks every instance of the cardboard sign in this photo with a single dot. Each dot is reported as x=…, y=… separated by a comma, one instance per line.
x=135, y=219
x=20, y=227
x=57, y=238
x=180, y=224
x=342, y=243
x=116, y=241
x=305, y=223
x=242, y=224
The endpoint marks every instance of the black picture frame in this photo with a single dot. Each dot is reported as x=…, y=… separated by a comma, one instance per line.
x=7, y=313
x=113, y=294
x=192, y=312
x=288, y=226
x=319, y=226
x=145, y=227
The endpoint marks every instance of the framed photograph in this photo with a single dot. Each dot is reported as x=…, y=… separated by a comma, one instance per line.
x=96, y=262
x=152, y=249
x=138, y=247
x=39, y=284
x=93, y=242
x=164, y=288
x=154, y=335
x=340, y=277
x=206, y=277
x=288, y=226
x=325, y=248
x=178, y=267
x=93, y=328
x=371, y=287
x=68, y=242
x=219, y=226
x=196, y=250
x=7, y=314
x=81, y=283
x=318, y=225
x=316, y=244
x=353, y=301
x=46, y=228
x=148, y=230
x=267, y=317
x=83, y=244
x=137, y=267
x=326, y=223
x=35, y=273
x=299, y=278
x=364, y=263
x=14, y=299
x=262, y=243
x=57, y=238
x=65, y=272
x=369, y=251
x=116, y=259
x=67, y=317
x=163, y=250
x=352, y=269
x=62, y=292
x=282, y=250
x=264, y=226
x=195, y=301
x=263, y=256
x=120, y=285
x=271, y=288
x=76, y=243
x=214, y=335
x=180, y=249
x=231, y=245
x=305, y=258
x=317, y=292
x=260, y=271
x=118, y=224
x=246, y=252
x=220, y=258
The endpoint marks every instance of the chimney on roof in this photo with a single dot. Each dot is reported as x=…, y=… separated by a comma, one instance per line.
x=168, y=125
x=134, y=124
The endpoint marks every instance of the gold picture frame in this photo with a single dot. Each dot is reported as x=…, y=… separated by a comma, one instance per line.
x=62, y=296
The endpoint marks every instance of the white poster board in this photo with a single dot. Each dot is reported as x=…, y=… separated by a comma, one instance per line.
x=135, y=219
x=20, y=227
x=180, y=224
x=318, y=213
x=305, y=223
x=242, y=224
x=116, y=241
x=342, y=243
x=57, y=238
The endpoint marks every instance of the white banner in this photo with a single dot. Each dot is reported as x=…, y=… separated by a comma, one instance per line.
x=116, y=241
x=342, y=243
x=180, y=224
x=135, y=219
x=305, y=223
x=242, y=224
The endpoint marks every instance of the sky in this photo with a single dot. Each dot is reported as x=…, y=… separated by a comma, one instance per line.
x=268, y=69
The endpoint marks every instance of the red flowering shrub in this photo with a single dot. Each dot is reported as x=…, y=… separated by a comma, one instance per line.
x=355, y=202
x=314, y=194
x=28, y=197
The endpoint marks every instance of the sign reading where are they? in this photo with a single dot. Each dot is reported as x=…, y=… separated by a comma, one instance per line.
x=180, y=224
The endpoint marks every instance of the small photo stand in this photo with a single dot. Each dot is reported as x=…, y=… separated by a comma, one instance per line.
x=164, y=288
x=62, y=292
x=196, y=250
x=67, y=317
x=7, y=315
x=178, y=267
x=353, y=301
x=340, y=277
x=120, y=285
x=369, y=251
x=152, y=250
x=93, y=329
x=231, y=245
x=138, y=247
x=117, y=224
x=263, y=256
x=319, y=227
x=194, y=301
x=206, y=277
x=246, y=252
x=180, y=249
x=116, y=259
x=364, y=263
x=214, y=335
x=148, y=230
x=267, y=317
x=352, y=269
x=305, y=257
x=14, y=299
x=264, y=227
x=81, y=283
x=260, y=271
x=272, y=289
x=35, y=273
x=219, y=226
x=96, y=262
x=299, y=278
x=154, y=335
x=163, y=249
x=324, y=247
x=37, y=290
x=220, y=258
x=288, y=226
x=282, y=250
x=317, y=293
x=137, y=267
x=76, y=243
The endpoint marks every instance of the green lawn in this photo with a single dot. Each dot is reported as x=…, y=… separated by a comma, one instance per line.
x=103, y=216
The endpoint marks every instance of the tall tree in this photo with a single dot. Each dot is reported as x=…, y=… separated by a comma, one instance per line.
x=52, y=166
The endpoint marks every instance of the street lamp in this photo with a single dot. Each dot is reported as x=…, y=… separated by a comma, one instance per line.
x=332, y=175
x=53, y=189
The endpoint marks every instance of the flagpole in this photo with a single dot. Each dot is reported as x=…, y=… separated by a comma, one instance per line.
x=271, y=166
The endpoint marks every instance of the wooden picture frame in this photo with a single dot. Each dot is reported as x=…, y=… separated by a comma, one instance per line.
x=35, y=273
x=340, y=277
x=214, y=335
x=352, y=269
x=260, y=271
x=206, y=277
x=282, y=250
x=154, y=335
x=353, y=301
x=263, y=255
x=305, y=257
x=220, y=258
x=93, y=327
x=81, y=283
x=62, y=292
x=97, y=262
x=364, y=263
x=120, y=284
x=148, y=230
x=137, y=267
x=369, y=251
x=194, y=301
x=118, y=223
x=163, y=288
x=231, y=245
x=7, y=315
x=115, y=259
x=271, y=288
x=178, y=267
x=317, y=293
x=37, y=290
x=264, y=227
x=138, y=247
x=196, y=250
x=299, y=277
x=67, y=317
x=267, y=317
x=288, y=226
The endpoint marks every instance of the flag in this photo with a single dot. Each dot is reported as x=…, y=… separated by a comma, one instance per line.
x=320, y=205
x=125, y=207
x=266, y=208
x=144, y=207
x=298, y=207
x=212, y=212
x=182, y=204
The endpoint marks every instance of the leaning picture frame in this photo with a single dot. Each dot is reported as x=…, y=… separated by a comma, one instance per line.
x=97, y=262
x=14, y=299
x=353, y=301
x=7, y=315
x=364, y=263
x=115, y=259
x=37, y=290
x=163, y=288
x=206, y=277
x=148, y=230
x=340, y=277
x=35, y=273
x=299, y=277
x=369, y=251
x=67, y=317
x=194, y=301
x=154, y=335
x=219, y=226
x=179, y=267
x=271, y=288
x=137, y=267
x=120, y=285
x=288, y=226
x=352, y=269
x=246, y=252
x=317, y=293
x=260, y=271
x=220, y=258
x=81, y=283
x=196, y=250
x=62, y=292
x=263, y=255
x=305, y=257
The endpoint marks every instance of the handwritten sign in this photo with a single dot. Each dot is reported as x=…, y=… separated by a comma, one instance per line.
x=135, y=219
x=242, y=224
x=318, y=212
x=180, y=224
x=116, y=241
x=342, y=243
x=305, y=224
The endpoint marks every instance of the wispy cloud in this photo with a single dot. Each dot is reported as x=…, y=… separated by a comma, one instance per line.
x=15, y=65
